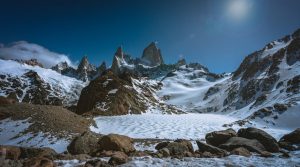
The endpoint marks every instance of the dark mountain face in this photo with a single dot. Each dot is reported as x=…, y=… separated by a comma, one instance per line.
x=84, y=72
x=152, y=56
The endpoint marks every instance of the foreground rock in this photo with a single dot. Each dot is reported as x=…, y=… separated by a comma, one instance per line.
x=13, y=156
x=263, y=137
x=291, y=141
x=236, y=142
x=177, y=149
x=115, y=142
x=187, y=143
x=219, y=137
x=211, y=149
x=39, y=162
x=241, y=151
x=118, y=158
x=86, y=143
x=293, y=137
x=96, y=163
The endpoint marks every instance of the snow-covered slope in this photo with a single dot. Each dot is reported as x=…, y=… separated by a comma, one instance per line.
x=34, y=84
x=265, y=88
x=187, y=87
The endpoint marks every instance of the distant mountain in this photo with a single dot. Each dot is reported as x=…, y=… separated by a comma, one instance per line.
x=264, y=88
x=85, y=71
x=37, y=85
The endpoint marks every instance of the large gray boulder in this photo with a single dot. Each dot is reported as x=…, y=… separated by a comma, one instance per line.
x=209, y=148
x=86, y=143
x=263, y=137
x=293, y=137
x=217, y=138
x=236, y=142
x=176, y=148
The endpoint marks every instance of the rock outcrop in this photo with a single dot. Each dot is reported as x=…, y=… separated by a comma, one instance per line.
x=85, y=70
x=86, y=143
x=219, y=137
x=110, y=95
x=203, y=147
x=115, y=142
x=263, y=137
x=152, y=56
x=236, y=142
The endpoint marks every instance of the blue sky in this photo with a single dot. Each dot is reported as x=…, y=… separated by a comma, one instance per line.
x=215, y=33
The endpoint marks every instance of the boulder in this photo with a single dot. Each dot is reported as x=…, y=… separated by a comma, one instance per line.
x=236, y=142
x=209, y=148
x=219, y=137
x=177, y=149
x=80, y=157
x=117, y=142
x=165, y=152
x=96, y=163
x=38, y=162
x=118, y=158
x=187, y=143
x=30, y=152
x=263, y=137
x=287, y=145
x=293, y=137
x=162, y=145
x=10, y=152
x=241, y=151
x=266, y=154
x=86, y=143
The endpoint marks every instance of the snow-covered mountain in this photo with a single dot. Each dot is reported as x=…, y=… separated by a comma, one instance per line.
x=84, y=72
x=264, y=88
x=37, y=85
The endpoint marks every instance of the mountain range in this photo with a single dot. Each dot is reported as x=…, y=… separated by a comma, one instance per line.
x=50, y=104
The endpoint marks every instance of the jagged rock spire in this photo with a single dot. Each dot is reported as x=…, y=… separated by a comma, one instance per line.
x=152, y=55
x=116, y=61
x=84, y=63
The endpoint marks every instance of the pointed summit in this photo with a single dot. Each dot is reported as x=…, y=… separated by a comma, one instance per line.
x=152, y=55
x=116, y=65
x=119, y=53
x=84, y=63
x=85, y=70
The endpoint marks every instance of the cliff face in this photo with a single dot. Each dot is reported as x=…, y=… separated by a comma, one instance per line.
x=152, y=55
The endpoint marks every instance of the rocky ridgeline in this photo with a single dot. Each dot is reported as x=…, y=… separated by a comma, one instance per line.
x=85, y=71
x=266, y=63
x=120, y=95
x=89, y=147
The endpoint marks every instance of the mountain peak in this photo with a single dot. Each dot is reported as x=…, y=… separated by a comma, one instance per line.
x=119, y=53
x=152, y=55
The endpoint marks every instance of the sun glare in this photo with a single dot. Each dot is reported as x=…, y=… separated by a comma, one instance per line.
x=238, y=9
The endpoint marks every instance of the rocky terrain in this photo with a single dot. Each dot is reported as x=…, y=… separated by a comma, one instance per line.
x=141, y=111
